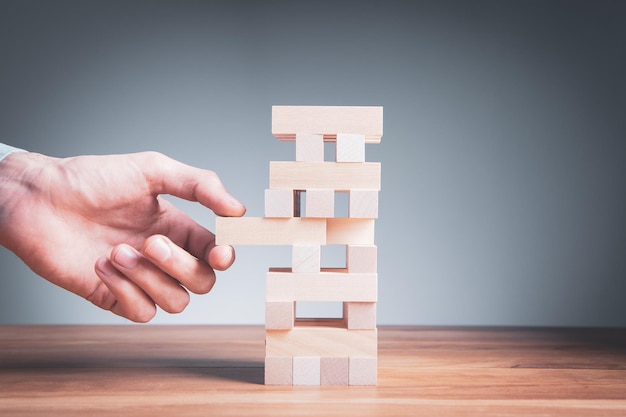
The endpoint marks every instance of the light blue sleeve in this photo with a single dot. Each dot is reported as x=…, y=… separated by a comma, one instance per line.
x=6, y=150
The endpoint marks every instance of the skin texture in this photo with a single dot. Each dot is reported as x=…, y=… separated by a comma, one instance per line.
x=97, y=226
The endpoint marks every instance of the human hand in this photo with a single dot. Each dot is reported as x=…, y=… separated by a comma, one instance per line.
x=96, y=226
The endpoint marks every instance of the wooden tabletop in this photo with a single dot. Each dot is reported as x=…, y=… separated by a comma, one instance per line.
x=198, y=371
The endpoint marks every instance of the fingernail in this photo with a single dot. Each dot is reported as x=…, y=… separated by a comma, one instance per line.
x=126, y=257
x=158, y=249
x=104, y=267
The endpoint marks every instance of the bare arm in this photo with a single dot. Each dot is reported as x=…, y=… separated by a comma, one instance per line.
x=96, y=226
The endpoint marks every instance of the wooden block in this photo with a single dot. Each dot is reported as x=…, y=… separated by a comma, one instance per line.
x=331, y=175
x=363, y=204
x=320, y=341
x=305, y=258
x=279, y=315
x=279, y=203
x=279, y=371
x=334, y=371
x=309, y=147
x=320, y=202
x=269, y=231
x=306, y=370
x=362, y=258
x=359, y=315
x=363, y=370
x=350, y=148
x=322, y=286
x=328, y=121
x=346, y=231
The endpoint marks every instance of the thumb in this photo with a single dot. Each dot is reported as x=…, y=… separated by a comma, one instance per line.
x=168, y=176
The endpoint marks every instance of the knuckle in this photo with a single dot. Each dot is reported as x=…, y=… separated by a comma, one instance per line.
x=143, y=315
x=177, y=304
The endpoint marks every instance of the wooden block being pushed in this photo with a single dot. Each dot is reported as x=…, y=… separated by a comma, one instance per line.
x=363, y=204
x=269, y=231
x=279, y=315
x=330, y=175
x=363, y=370
x=320, y=202
x=305, y=258
x=359, y=315
x=334, y=371
x=362, y=259
x=306, y=370
x=284, y=285
x=321, y=341
x=328, y=121
x=309, y=147
x=279, y=203
x=346, y=231
x=278, y=371
x=350, y=148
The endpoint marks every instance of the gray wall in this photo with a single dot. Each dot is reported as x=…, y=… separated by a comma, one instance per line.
x=504, y=155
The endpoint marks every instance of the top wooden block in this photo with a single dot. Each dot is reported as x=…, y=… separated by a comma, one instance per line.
x=327, y=121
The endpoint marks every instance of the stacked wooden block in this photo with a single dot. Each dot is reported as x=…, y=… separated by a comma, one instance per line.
x=339, y=351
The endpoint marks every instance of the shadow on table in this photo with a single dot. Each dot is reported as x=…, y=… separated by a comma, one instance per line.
x=247, y=371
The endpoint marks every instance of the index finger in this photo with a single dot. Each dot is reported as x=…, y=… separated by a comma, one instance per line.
x=168, y=176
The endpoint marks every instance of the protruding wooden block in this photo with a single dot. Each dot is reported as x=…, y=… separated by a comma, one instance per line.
x=309, y=147
x=327, y=285
x=363, y=370
x=305, y=258
x=320, y=202
x=346, y=231
x=359, y=315
x=350, y=148
x=279, y=203
x=269, y=231
x=334, y=371
x=279, y=315
x=327, y=120
x=321, y=341
x=278, y=371
x=362, y=258
x=333, y=175
x=363, y=204
x=306, y=370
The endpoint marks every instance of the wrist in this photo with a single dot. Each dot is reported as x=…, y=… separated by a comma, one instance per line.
x=17, y=177
x=6, y=150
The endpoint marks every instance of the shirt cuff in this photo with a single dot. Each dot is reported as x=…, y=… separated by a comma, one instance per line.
x=6, y=150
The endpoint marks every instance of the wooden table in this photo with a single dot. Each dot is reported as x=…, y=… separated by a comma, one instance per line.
x=198, y=371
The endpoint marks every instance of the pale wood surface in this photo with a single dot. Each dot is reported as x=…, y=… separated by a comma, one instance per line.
x=287, y=121
x=329, y=175
x=269, y=231
x=200, y=371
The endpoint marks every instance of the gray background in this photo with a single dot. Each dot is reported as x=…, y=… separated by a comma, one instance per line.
x=504, y=155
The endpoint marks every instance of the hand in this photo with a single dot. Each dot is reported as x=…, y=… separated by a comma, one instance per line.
x=96, y=226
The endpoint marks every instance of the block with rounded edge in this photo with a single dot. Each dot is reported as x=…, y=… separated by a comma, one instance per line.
x=363, y=370
x=309, y=147
x=362, y=259
x=278, y=371
x=279, y=315
x=334, y=371
x=279, y=203
x=350, y=147
x=359, y=315
x=363, y=204
x=320, y=202
x=306, y=370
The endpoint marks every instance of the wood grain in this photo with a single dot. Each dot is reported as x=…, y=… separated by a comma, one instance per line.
x=201, y=370
x=287, y=121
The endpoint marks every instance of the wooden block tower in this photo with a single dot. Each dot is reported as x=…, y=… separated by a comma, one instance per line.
x=340, y=351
